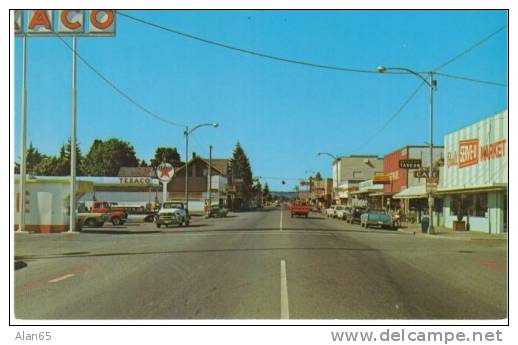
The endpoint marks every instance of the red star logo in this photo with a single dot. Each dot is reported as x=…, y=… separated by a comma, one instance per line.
x=164, y=171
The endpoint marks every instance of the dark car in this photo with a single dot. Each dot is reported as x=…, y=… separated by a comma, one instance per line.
x=353, y=215
x=217, y=211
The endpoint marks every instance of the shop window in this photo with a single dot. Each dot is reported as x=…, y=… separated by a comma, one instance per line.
x=481, y=205
x=474, y=205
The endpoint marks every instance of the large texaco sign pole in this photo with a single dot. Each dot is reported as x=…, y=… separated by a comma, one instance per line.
x=165, y=173
x=48, y=23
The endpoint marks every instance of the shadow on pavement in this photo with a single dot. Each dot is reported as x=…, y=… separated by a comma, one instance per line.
x=205, y=251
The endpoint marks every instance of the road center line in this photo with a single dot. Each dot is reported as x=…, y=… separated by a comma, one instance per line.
x=61, y=278
x=285, y=312
x=280, y=225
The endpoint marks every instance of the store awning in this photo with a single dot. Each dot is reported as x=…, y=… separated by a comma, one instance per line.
x=414, y=192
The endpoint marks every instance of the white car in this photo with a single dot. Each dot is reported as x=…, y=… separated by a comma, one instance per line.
x=341, y=212
x=331, y=211
x=172, y=213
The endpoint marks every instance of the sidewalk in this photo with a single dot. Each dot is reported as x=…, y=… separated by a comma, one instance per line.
x=444, y=233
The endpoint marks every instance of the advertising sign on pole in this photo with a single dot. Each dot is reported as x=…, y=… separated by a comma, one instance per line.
x=165, y=173
x=86, y=23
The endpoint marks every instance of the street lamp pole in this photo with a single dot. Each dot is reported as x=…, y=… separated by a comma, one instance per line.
x=335, y=158
x=432, y=84
x=187, y=133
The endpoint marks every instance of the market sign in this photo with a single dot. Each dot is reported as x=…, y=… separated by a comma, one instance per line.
x=165, y=172
x=468, y=152
x=65, y=22
x=410, y=163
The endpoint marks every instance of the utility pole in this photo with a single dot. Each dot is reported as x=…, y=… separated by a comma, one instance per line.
x=210, y=178
x=73, y=157
x=23, y=163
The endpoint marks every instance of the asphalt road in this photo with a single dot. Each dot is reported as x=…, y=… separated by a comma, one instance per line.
x=259, y=265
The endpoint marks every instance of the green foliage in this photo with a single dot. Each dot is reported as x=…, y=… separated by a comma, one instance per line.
x=106, y=157
x=43, y=165
x=266, y=192
x=167, y=154
x=241, y=173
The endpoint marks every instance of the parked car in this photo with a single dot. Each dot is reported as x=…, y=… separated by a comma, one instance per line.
x=137, y=213
x=353, y=214
x=89, y=219
x=216, y=211
x=331, y=211
x=378, y=217
x=172, y=213
x=341, y=212
x=299, y=208
x=115, y=216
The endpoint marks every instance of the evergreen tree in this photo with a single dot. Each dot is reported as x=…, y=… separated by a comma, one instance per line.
x=241, y=173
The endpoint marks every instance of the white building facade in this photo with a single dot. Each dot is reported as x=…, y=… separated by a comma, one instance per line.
x=474, y=179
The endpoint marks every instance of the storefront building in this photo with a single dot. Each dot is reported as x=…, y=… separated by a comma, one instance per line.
x=474, y=180
x=403, y=189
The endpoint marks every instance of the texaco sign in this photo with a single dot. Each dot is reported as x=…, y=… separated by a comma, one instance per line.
x=165, y=172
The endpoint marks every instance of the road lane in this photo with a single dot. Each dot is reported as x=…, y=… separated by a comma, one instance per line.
x=229, y=268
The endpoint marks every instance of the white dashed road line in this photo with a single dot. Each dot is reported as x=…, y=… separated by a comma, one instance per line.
x=285, y=311
x=280, y=225
x=55, y=280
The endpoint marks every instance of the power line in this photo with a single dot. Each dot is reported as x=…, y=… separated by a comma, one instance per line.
x=248, y=51
x=393, y=117
x=467, y=50
x=471, y=79
x=305, y=63
x=118, y=90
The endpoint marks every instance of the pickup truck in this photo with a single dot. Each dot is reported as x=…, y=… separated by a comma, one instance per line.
x=377, y=217
x=341, y=212
x=172, y=213
x=89, y=219
x=299, y=208
x=115, y=216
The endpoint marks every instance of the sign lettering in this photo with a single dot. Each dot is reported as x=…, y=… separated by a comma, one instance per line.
x=71, y=21
x=135, y=180
x=468, y=152
x=410, y=163
x=66, y=22
x=492, y=151
x=40, y=21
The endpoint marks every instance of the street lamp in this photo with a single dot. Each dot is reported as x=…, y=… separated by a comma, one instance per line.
x=335, y=158
x=329, y=154
x=188, y=132
x=432, y=84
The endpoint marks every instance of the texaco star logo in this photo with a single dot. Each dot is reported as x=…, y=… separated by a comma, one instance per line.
x=165, y=172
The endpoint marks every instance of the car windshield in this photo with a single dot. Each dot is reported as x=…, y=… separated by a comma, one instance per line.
x=173, y=205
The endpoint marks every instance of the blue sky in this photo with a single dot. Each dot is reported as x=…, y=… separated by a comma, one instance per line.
x=283, y=114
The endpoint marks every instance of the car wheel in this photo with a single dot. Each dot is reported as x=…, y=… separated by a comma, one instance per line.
x=187, y=223
x=157, y=225
x=116, y=221
x=99, y=225
x=91, y=223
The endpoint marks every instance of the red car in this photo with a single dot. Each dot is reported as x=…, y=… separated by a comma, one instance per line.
x=115, y=216
x=299, y=208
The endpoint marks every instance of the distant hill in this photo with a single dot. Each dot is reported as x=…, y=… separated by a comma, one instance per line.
x=288, y=195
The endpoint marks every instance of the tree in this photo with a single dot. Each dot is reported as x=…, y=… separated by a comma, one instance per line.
x=167, y=154
x=266, y=192
x=106, y=157
x=143, y=163
x=55, y=165
x=241, y=173
x=33, y=157
x=318, y=177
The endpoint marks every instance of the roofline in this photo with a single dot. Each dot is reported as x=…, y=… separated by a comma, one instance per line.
x=206, y=161
x=479, y=120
